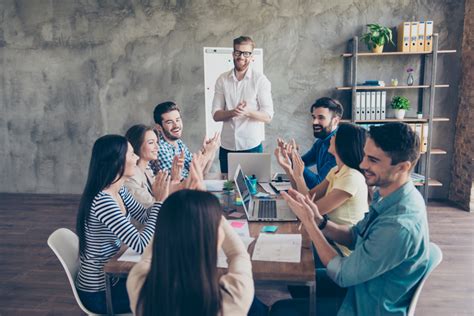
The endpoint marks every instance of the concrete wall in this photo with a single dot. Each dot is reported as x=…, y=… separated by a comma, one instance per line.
x=72, y=71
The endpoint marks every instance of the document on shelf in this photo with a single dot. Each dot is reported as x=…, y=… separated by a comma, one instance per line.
x=221, y=257
x=130, y=255
x=278, y=248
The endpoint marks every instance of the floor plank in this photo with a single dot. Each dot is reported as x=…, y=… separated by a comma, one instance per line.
x=34, y=283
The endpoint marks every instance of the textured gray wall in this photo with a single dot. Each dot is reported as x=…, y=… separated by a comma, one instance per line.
x=72, y=71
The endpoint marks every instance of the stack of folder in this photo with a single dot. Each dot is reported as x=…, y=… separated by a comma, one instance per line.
x=370, y=105
x=415, y=36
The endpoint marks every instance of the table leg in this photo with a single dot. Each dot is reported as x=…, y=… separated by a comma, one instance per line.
x=108, y=294
x=312, y=298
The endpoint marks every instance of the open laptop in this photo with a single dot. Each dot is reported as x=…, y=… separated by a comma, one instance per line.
x=258, y=164
x=261, y=209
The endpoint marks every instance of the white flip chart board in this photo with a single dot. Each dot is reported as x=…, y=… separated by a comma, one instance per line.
x=218, y=60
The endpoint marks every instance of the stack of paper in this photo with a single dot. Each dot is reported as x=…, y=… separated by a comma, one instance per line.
x=278, y=248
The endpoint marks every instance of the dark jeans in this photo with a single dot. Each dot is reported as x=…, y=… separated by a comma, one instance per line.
x=96, y=302
x=223, y=155
x=258, y=308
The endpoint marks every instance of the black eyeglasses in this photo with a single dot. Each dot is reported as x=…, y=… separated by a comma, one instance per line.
x=238, y=53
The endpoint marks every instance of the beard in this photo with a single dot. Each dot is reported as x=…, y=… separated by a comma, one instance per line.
x=322, y=132
x=170, y=136
x=241, y=67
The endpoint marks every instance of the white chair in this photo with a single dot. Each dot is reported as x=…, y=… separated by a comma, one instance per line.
x=436, y=256
x=65, y=245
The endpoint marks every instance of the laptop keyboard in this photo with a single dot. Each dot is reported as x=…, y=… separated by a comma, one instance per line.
x=267, y=209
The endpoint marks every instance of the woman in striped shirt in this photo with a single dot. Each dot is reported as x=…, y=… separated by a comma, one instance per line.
x=103, y=220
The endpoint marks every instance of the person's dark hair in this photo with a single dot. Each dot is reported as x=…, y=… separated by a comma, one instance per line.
x=136, y=135
x=331, y=104
x=163, y=108
x=183, y=278
x=397, y=140
x=244, y=40
x=350, y=142
x=107, y=166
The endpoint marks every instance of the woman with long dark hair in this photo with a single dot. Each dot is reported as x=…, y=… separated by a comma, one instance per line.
x=142, y=184
x=178, y=273
x=343, y=195
x=103, y=220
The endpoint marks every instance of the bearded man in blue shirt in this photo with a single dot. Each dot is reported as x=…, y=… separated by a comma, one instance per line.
x=390, y=245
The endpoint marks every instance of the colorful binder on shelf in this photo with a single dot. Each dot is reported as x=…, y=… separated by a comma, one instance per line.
x=420, y=41
x=413, y=36
x=403, y=42
x=428, y=36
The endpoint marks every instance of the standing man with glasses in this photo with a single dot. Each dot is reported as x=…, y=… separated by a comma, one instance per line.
x=243, y=102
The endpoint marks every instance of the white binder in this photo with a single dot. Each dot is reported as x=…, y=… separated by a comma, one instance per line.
x=373, y=101
x=428, y=36
x=357, y=106
x=378, y=100
x=363, y=96
x=383, y=105
x=420, y=41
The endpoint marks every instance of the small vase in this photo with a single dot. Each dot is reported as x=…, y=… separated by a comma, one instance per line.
x=228, y=200
x=410, y=79
x=400, y=114
x=378, y=49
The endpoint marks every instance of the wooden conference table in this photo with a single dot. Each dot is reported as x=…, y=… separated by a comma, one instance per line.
x=264, y=272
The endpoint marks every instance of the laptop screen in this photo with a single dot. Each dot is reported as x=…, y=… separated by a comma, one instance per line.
x=243, y=189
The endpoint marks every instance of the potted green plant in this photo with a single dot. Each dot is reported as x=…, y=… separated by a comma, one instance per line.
x=376, y=37
x=400, y=105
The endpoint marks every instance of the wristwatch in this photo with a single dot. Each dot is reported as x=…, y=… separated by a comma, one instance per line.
x=323, y=222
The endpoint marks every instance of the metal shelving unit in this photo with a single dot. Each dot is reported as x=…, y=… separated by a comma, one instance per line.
x=428, y=111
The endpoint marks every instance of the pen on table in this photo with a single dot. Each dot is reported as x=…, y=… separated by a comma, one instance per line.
x=299, y=227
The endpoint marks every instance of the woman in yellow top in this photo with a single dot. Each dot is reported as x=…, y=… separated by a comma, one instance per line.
x=343, y=195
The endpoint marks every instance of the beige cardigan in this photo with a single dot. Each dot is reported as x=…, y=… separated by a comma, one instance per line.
x=138, y=187
x=237, y=287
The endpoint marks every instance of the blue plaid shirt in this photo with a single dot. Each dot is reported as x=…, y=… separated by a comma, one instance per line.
x=166, y=153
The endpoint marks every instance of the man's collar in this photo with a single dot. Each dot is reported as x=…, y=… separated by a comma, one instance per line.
x=380, y=205
x=327, y=138
x=248, y=74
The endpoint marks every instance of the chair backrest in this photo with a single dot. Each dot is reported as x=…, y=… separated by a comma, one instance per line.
x=435, y=258
x=65, y=245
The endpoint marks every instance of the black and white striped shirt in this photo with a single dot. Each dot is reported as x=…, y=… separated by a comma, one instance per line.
x=105, y=230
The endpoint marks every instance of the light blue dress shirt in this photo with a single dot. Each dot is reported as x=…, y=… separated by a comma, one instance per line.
x=391, y=253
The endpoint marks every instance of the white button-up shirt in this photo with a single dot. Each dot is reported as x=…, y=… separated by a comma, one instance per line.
x=242, y=133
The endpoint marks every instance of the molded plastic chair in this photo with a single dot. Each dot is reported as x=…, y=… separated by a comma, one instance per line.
x=436, y=256
x=65, y=245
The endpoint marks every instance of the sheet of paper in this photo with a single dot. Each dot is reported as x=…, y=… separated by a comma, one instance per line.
x=241, y=227
x=130, y=255
x=281, y=186
x=221, y=257
x=214, y=185
x=236, y=215
x=278, y=248
x=267, y=188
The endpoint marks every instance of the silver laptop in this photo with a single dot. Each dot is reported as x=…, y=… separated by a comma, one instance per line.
x=261, y=209
x=258, y=164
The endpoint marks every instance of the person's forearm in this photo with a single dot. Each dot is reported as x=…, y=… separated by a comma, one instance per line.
x=259, y=116
x=223, y=115
x=209, y=160
x=325, y=251
x=301, y=185
x=338, y=233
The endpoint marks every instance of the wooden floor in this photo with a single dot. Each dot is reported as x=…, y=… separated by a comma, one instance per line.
x=32, y=282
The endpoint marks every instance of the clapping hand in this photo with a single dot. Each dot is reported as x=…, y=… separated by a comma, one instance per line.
x=161, y=186
x=298, y=164
x=195, y=180
x=283, y=160
x=209, y=146
x=302, y=206
x=241, y=110
x=177, y=167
